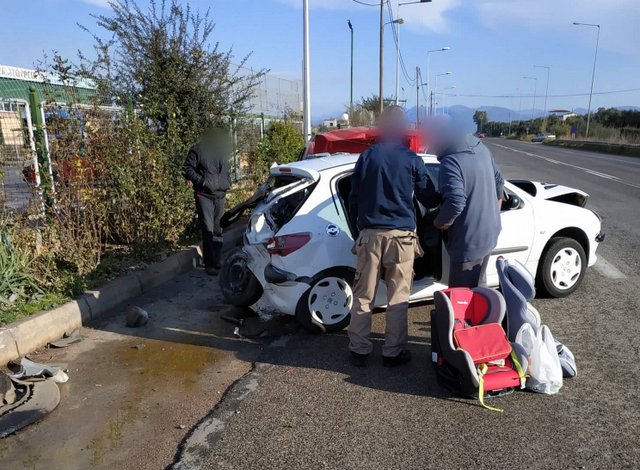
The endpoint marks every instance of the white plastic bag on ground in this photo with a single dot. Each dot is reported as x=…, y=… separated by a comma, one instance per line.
x=544, y=372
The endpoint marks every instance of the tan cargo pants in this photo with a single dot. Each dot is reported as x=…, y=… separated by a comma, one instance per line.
x=393, y=250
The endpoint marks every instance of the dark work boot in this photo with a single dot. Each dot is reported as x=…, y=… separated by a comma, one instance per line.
x=400, y=359
x=216, y=257
x=358, y=360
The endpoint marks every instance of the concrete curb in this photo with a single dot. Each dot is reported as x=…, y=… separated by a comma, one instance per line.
x=35, y=331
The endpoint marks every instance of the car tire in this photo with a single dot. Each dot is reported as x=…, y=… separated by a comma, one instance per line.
x=239, y=285
x=562, y=267
x=315, y=311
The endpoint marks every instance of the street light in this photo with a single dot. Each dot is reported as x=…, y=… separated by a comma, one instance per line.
x=382, y=25
x=351, y=88
x=398, y=45
x=444, y=98
x=593, y=73
x=546, y=94
x=535, y=90
x=442, y=49
x=435, y=88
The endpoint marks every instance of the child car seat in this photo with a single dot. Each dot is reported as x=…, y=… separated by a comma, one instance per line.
x=518, y=288
x=470, y=350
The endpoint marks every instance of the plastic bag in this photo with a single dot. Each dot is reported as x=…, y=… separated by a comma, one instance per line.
x=544, y=371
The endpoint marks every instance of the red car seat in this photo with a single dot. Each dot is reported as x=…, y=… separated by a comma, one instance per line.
x=470, y=350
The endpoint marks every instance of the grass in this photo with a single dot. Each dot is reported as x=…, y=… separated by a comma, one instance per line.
x=624, y=150
x=21, y=310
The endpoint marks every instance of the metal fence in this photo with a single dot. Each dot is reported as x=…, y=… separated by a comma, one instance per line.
x=17, y=154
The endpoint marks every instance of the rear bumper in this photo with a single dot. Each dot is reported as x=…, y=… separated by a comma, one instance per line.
x=281, y=289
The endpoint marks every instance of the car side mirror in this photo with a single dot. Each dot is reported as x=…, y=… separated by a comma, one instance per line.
x=514, y=202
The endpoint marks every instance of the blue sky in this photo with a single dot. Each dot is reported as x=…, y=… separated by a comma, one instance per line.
x=494, y=43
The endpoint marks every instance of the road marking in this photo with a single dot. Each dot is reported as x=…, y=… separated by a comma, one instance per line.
x=607, y=269
x=558, y=162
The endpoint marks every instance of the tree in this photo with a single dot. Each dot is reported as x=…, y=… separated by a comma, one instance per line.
x=366, y=111
x=481, y=119
x=163, y=61
x=283, y=141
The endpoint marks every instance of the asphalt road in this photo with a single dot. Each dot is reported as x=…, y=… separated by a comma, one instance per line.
x=304, y=406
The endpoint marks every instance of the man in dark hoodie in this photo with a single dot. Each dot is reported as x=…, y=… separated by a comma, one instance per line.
x=207, y=168
x=471, y=187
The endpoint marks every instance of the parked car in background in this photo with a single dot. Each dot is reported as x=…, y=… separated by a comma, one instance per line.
x=296, y=256
x=542, y=137
x=480, y=135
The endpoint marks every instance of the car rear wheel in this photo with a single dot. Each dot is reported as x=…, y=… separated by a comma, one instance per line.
x=326, y=306
x=239, y=285
x=562, y=267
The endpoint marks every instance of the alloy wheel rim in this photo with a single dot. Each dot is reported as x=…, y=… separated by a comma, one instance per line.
x=566, y=268
x=330, y=301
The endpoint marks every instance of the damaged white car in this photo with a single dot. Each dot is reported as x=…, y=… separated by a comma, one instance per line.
x=296, y=255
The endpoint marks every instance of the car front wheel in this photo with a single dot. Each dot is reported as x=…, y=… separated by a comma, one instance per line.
x=326, y=306
x=562, y=267
x=238, y=284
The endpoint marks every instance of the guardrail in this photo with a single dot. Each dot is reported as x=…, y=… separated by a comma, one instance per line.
x=627, y=150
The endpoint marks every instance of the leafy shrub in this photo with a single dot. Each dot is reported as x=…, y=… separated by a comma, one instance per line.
x=282, y=143
x=17, y=284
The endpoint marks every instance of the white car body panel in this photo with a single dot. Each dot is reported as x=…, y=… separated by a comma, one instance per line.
x=525, y=233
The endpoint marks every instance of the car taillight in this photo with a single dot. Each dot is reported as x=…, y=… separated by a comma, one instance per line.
x=287, y=244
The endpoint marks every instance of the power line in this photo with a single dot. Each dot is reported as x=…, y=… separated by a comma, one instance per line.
x=366, y=4
x=407, y=77
x=610, y=92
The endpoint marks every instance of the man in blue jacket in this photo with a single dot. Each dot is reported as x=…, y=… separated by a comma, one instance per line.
x=385, y=180
x=471, y=188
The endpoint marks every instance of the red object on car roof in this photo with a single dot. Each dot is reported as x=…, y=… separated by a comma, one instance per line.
x=357, y=140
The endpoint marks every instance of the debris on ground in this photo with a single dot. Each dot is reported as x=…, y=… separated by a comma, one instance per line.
x=136, y=317
x=139, y=346
x=234, y=320
x=23, y=403
x=30, y=370
x=67, y=339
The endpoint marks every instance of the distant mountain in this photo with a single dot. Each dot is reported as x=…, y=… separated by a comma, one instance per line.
x=464, y=114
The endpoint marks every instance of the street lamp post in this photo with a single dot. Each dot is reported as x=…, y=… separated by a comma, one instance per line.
x=435, y=88
x=397, y=21
x=351, y=87
x=593, y=73
x=535, y=91
x=430, y=104
x=307, y=72
x=444, y=98
x=546, y=94
x=398, y=46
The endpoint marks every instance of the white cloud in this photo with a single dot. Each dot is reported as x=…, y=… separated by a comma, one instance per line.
x=619, y=18
x=426, y=17
x=99, y=3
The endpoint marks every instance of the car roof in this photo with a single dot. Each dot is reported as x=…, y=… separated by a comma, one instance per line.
x=329, y=162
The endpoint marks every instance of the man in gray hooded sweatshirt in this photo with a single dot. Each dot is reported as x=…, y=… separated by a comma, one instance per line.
x=471, y=187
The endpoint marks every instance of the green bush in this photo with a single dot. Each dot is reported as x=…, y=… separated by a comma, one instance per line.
x=282, y=143
x=17, y=283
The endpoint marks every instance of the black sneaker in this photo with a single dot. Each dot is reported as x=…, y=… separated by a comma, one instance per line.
x=358, y=360
x=211, y=271
x=400, y=359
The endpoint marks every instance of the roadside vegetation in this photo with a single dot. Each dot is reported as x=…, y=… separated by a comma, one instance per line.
x=115, y=196
x=607, y=125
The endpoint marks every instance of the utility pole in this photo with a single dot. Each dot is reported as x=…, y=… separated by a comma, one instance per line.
x=351, y=94
x=417, y=96
x=381, y=72
x=307, y=72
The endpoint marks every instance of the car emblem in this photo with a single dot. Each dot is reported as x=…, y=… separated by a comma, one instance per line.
x=333, y=230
